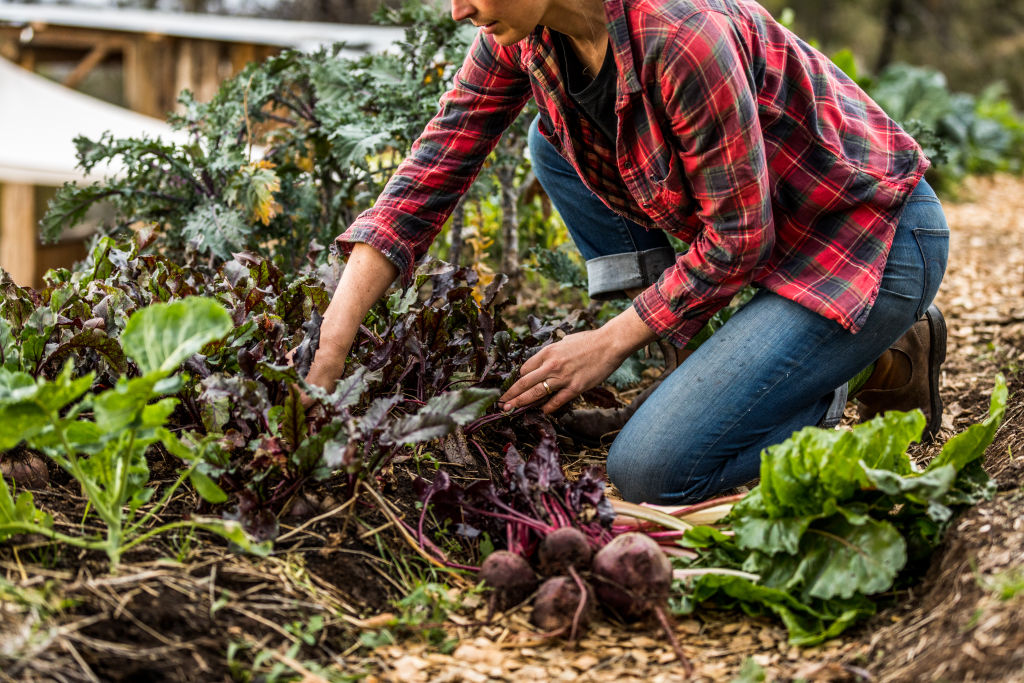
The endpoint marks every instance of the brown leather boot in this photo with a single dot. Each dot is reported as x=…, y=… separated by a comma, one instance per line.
x=909, y=378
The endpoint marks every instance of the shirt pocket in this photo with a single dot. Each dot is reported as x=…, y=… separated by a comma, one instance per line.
x=667, y=190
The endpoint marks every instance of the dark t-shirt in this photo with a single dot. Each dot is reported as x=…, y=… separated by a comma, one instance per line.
x=595, y=96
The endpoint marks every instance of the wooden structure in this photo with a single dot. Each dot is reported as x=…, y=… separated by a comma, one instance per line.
x=152, y=56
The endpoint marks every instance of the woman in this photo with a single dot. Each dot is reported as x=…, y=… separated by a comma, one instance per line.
x=707, y=120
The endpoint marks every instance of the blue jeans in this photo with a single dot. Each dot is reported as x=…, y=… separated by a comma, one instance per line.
x=768, y=372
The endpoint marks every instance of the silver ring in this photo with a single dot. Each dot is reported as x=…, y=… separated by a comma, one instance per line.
x=547, y=387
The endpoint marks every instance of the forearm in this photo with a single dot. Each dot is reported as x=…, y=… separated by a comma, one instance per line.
x=626, y=333
x=366, y=277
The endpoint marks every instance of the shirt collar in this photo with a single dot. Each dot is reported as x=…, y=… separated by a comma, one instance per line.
x=618, y=30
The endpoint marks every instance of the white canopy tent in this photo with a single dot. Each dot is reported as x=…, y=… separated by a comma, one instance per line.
x=39, y=121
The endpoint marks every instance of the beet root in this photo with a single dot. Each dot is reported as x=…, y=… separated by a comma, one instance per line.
x=632, y=575
x=563, y=548
x=509, y=576
x=564, y=604
x=633, y=578
x=26, y=470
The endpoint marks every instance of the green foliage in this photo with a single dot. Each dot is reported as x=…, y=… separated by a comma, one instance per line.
x=422, y=611
x=106, y=454
x=559, y=266
x=960, y=133
x=836, y=518
x=161, y=337
x=286, y=154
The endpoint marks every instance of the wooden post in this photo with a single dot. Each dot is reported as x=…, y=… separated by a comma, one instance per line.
x=18, y=235
x=209, y=70
x=184, y=67
x=241, y=55
x=143, y=59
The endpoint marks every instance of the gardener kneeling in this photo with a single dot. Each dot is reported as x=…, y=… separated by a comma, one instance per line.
x=711, y=122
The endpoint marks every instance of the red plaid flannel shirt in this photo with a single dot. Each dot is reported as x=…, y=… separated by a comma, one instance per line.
x=734, y=135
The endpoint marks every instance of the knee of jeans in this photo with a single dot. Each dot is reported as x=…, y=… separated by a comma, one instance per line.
x=640, y=474
x=643, y=475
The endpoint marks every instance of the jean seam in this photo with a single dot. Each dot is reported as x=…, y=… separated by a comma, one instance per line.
x=927, y=264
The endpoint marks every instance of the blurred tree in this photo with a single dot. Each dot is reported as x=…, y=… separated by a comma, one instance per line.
x=974, y=42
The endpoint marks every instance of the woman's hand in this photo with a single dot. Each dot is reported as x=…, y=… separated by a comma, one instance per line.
x=364, y=280
x=564, y=370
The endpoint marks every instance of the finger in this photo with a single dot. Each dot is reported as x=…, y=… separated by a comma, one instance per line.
x=525, y=382
x=560, y=399
x=535, y=361
x=528, y=393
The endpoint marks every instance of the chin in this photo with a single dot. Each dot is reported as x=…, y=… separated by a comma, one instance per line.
x=509, y=38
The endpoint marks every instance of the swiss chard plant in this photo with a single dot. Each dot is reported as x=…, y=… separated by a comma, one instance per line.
x=837, y=519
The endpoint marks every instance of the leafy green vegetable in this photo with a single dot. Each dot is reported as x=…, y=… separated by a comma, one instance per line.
x=161, y=337
x=837, y=517
x=126, y=420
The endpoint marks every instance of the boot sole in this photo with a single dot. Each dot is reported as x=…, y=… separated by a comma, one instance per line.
x=936, y=357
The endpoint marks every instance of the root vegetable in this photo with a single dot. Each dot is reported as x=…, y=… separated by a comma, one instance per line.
x=633, y=577
x=563, y=605
x=27, y=470
x=510, y=577
x=564, y=548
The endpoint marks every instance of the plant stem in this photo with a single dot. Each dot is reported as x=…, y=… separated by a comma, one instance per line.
x=30, y=528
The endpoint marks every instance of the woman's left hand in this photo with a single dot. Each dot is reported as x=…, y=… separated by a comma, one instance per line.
x=564, y=370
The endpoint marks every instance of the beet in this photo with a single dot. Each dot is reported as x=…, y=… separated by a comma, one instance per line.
x=633, y=577
x=510, y=577
x=26, y=470
x=563, y=548
x=563, y=604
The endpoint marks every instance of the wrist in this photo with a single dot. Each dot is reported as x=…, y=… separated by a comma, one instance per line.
x=626, y=333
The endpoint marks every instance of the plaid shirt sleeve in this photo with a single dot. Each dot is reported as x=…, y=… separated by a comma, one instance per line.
x=713, y=113
x=489, y=92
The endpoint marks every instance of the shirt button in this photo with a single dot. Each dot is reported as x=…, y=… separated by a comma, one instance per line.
x=627, y=164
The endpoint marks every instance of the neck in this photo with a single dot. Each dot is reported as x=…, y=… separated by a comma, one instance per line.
x=583, y=21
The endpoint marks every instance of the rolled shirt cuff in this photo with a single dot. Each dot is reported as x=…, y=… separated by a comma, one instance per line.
x=656, y=312
x=611, y=276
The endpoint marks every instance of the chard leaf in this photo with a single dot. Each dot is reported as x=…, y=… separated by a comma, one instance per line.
x=206, y=487
x=815, y=466
x=808, y=623
x=28, y=407
x=970, y=444
x=440, y=416
x=233, y=532
x=126, y=405
x=923, y=489
x=769, y=535
x=837, y=559
x=19, y=514
x=159, y=338
x=105, y=467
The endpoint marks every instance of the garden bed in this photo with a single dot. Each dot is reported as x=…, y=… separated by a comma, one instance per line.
x=345, y=595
